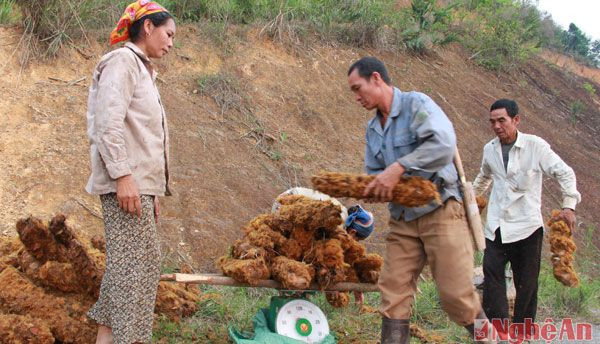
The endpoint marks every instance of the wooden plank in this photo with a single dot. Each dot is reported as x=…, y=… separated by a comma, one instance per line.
x=215, y=279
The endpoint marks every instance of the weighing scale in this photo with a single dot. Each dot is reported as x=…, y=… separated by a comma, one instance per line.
x=289, y=316
x=297, y=318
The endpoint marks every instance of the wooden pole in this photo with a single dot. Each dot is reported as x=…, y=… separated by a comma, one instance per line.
x=470, y=204
x=214, y=279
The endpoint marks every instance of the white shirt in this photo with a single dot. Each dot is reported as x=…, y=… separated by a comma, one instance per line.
x=516, y=198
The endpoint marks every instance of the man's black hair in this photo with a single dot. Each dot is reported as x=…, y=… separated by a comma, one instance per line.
x=367, y=65
x=158, y=19
x=509, y=105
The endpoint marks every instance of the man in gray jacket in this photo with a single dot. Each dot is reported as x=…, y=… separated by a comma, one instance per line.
x=410, y=135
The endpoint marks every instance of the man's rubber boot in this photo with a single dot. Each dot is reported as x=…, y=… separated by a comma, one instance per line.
x=471, y=328
x=395, y=331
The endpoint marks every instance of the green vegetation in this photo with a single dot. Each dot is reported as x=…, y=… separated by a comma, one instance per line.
x=8, y=15
x=500, y=33
x=577, y=108
x=558, y=301
x=589, y=88
x=427, y=26
x=372, y=23
x=573, y=41
x=222, y=307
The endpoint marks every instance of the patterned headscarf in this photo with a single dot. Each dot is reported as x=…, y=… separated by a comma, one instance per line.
x=132, y=13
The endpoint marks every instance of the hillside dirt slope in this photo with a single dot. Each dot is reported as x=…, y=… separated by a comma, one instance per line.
x=288, y=114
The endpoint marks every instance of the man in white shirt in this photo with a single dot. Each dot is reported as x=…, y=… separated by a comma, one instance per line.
x=514, y=162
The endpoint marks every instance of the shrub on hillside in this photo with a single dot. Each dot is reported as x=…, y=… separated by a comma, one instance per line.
x=8, y=14
x=500, y=33
x=51, y=24
x=428, y=26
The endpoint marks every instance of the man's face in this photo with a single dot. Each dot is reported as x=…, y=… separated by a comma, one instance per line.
x=366, y=92
x=503, y=126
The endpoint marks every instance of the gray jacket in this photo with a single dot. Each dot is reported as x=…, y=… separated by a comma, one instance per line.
x=419, y=136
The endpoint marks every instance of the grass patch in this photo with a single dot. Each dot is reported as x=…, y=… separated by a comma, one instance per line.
x=8, y=12
x=576, y=107
x=363, y=23
x=225, y=90
x=558, y=301
x=501, y=34
x=222, y=307
x=589, y=88
x=219, y=308
x=428, y=313
x=587, y=254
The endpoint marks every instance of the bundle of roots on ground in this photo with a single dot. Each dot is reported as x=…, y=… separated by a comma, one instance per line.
x=50, y=278
x=338, y=299
x=303, y=242
x=562, y=248
x=424, y=337
x=409, y=192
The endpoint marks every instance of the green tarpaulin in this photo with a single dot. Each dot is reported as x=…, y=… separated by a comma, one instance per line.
x=262, y=334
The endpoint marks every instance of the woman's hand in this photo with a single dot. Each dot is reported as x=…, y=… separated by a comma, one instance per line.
x=128, y=195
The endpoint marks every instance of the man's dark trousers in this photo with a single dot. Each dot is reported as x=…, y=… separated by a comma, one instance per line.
x=524, y=257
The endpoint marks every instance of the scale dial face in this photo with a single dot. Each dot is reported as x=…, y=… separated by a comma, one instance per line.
x=302, y=320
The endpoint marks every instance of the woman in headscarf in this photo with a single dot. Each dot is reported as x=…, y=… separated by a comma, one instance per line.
x=129, y=151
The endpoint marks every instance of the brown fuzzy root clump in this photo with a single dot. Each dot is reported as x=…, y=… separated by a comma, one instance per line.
x=304, y=237
x=176, y=302
x=98, y=243
x=368, y=268
x=245, y=270
x=424, y=337
x=327, y=277
x=291, y=249
x=309, y=213
x=353, y=250
x=481, y=203
x=57, y=291
x=39, y=241
x=77, y=268
x=243, y=249
x=350, y=273
x=409, y=192
x=302, y=242
x=9, y=252
x=329, y=253
x=60, y=276
x=291, y=273
x=24, y=329
x=90, y=273
x=20, y=296
x=338, y=299
x=562, y=248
